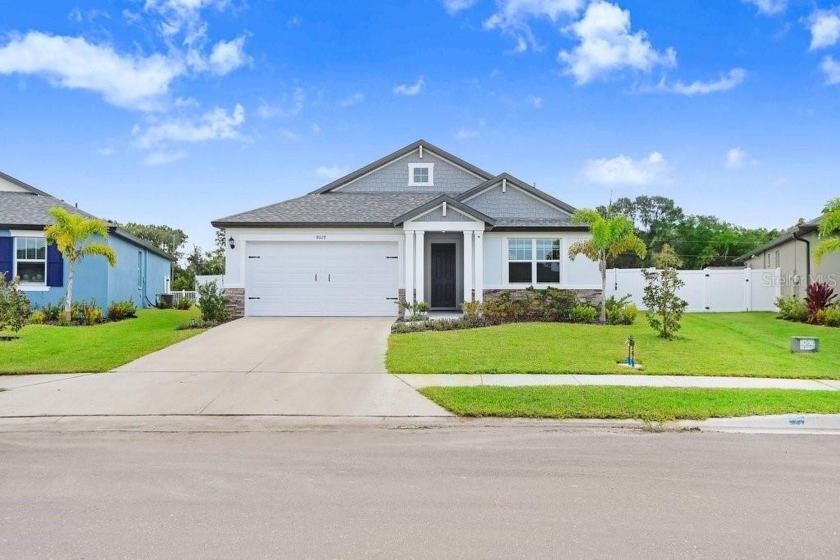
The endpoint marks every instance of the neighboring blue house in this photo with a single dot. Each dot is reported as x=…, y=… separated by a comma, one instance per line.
x=142, y=270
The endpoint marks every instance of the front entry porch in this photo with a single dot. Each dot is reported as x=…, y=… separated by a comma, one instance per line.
x=444, y=268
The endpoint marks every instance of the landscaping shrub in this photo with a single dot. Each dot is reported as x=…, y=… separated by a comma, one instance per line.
x=583, y=313
x=819, y=297
x=558, y=304
x=52, y=312
x=86, y=313
x=621, y=311
x=414, y=311
x=14, y=305
x=830, y=317
x=120, y=310
x=183, y=304
x=471, y=308
x=212, y=303
x=36, y=317
x=792, y=309
x=197, y=324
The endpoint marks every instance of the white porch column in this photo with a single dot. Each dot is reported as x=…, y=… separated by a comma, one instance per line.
x=419, y=265
x=409, y=266
x=479, y=266
x=468, y=265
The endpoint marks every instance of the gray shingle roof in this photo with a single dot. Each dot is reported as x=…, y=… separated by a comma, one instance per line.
x=331, y=208
x=24, y=209
x=30, y=210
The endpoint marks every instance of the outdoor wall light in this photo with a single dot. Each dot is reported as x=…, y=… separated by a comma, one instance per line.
x=232, y=243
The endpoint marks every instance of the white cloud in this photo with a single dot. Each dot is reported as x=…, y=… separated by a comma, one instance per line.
x=768, y=7
x=455, y=6
x=163, y=157
x=831, y=69
x=106, y=151
x=535, y=102
x=825, y=28
x=289, y=107
x=217, y=124
x=607, y=45
x=183, y=17
x=512, y=18
x=730, y=80
x=353, y=99
x=227, y=56
x=410, y=90
x=130, y=81
x=735, y=158
x=466, y=133
x=316, y=128
x=331, y=173
x=625, y=171
x=296, y=21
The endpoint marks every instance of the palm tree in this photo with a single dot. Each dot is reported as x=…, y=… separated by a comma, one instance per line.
x=829, y=231
x=611, y=237
x=69, y=232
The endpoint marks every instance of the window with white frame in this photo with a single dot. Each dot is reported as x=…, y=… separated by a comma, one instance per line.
x=421, y=174
x=534, y=261
x=31, y=260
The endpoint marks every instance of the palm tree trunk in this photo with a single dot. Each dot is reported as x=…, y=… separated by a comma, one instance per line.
x=602, y=264
x=68, y=301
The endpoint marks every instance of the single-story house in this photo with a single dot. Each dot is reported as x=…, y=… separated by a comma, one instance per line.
x=141, y=273
x=419, y=224
x=791, y=252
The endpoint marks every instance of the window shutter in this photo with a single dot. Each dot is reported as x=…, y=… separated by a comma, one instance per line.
x=55, y=267
x=6, y=257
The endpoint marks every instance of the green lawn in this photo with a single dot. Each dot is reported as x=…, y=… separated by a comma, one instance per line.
x=52, y=349
x=652, y=404
x=721, y=344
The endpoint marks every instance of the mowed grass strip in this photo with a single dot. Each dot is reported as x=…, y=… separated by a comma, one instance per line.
x=718, y=344
x=651, y=404
x=98, y=348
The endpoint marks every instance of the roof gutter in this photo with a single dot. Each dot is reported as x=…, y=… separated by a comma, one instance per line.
x=807, y=256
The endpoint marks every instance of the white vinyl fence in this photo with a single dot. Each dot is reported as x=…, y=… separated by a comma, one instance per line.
x=709, y=290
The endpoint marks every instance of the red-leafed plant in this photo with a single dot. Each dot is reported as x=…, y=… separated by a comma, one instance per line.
x=820, y=296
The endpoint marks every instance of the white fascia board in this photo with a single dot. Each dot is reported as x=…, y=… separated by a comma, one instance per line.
x=443, y=226
x=27, y=233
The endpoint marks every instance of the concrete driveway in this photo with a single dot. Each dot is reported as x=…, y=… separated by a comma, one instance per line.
x=255, y=366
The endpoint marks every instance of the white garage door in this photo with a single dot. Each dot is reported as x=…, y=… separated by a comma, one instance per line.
x=322, y=279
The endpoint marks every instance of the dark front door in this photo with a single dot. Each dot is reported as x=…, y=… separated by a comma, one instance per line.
x=443, y=275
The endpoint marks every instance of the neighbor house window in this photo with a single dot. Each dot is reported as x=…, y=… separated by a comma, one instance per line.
x=31, y=260
x=421, y=174
x=533, y=261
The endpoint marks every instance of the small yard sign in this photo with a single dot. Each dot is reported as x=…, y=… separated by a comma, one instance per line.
x=804, y=344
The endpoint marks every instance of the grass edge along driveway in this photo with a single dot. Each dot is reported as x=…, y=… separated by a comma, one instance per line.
x=718, y=344
x=658, y=404
x=93, y=349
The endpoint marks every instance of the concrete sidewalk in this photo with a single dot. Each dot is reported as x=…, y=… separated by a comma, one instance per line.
x=418, y=381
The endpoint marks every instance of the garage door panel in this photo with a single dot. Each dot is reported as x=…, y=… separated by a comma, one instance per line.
x=322, y=279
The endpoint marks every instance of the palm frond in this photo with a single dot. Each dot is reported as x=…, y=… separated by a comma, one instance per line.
x=628, y=244
x=586, y=248
x=585, y=216
x=102, y=250
x=824, y=247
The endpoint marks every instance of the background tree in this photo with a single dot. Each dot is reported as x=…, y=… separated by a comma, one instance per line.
x=610, y=237
x=829, y=231
x=168, y=239
x=69, y=233
x=664, y=307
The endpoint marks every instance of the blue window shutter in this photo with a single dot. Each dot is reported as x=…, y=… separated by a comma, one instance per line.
x=7, y=256
x=55, y=267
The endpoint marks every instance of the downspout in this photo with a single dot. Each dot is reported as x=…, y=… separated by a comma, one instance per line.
x=807, y=257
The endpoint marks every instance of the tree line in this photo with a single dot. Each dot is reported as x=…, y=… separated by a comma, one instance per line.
x=699, y=241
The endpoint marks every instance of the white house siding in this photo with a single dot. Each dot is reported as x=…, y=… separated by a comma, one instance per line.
x=580, y=274
x=436, y=215
x=514, y=203
x=393, y=177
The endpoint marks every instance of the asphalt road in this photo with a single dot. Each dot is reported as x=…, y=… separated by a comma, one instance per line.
x=444, y=492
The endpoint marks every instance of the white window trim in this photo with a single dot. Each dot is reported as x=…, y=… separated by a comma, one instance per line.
x=429, y=166
x=31, y=286
x=534, y=260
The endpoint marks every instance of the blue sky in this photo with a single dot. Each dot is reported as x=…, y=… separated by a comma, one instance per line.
x=182, y=111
